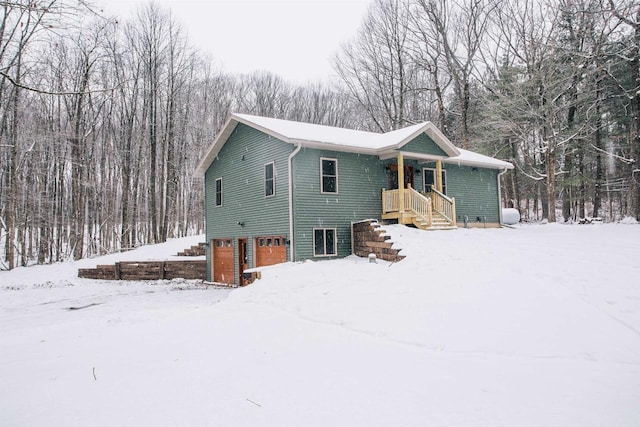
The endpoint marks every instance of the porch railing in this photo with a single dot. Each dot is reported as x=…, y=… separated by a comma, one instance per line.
x=414, y=202
x=390, y=201
x=444, y=205
x=418, y=204
x=421, y=205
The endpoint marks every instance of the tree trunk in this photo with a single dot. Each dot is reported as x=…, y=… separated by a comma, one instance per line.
x=13, y=170
x=567, y=188
x=551, y=184
x=77, y=169
x=153, y=144
x=597, y=190
x=635, y=120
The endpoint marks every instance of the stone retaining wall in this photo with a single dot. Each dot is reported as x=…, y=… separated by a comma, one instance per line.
x=147, y=270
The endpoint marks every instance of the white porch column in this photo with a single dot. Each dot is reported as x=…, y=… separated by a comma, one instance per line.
x=401, y=182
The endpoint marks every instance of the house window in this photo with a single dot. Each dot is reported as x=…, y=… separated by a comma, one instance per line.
x=269, y=180
x=219, y=192
x=430, y=179
x=324, y=242
x=328, y=175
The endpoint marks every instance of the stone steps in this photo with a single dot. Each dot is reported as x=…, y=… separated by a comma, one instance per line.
x=197, y=250
x=368, y=239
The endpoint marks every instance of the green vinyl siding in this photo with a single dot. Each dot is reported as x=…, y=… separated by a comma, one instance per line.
x=423, y=144
x=360, y=182
x=241, y=165
x=475, y=191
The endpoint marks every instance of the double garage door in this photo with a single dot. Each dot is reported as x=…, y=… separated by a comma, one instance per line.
x=268, y=250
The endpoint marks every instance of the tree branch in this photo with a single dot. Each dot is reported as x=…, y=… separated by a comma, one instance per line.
x=46, y=92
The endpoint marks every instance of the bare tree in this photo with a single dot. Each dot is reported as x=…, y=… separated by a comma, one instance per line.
x=457, y=29
x=377, y=68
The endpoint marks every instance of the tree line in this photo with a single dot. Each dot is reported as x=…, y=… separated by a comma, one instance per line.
x=103, y=120
x=553, y=86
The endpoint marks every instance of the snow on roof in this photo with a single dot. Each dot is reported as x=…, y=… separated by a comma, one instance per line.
x=341, y=139
x=470, y=158
x=300, y=132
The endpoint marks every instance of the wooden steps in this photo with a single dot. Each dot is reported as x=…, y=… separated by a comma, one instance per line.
x=368, y=239
x=438, y=222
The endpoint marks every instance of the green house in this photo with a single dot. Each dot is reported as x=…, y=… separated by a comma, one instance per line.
x=278, y=190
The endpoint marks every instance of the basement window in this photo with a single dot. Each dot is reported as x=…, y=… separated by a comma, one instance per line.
x=324, y=242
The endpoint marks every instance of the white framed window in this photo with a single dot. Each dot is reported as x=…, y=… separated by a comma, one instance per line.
x=429, y=177
x=219, y=192
x=328, y=175
x=269, y=180
x=324, y=242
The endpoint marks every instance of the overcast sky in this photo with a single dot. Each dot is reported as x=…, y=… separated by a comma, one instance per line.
x=293, y=38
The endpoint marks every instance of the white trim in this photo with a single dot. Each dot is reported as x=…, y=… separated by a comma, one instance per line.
x=500, y=196
x=432, y=132
x=324, y=241
x=290, y=178
x=215, y=147
x=385, y=155
x=273, y=178
x=215, y=192
x=328, y=146
x=322, y=176
x=470, y=158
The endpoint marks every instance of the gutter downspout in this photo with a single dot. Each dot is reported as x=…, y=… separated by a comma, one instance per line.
x=290, y=166
x=500, y=195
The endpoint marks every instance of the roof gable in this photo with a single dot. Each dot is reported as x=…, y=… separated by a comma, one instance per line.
x=424, y=144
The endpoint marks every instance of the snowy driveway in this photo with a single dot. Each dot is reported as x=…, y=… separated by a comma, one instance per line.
x=536, y=326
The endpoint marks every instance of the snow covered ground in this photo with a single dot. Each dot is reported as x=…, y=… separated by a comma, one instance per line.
x=533, y=326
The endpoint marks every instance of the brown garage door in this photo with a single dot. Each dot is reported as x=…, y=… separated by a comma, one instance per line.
x=223, y=261
x=270, y=250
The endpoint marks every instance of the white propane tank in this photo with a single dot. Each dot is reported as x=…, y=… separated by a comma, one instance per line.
x=510, y=216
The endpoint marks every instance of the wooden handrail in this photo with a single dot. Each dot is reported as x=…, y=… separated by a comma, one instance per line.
x=444, y=205
x=419, y=204
x=435, y=190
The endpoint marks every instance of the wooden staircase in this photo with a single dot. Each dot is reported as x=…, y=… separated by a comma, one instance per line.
x=430, y=211
x=438, y=222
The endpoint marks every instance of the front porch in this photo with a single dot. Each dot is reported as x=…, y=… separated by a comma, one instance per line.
x=408, y=206
x=432, y=210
